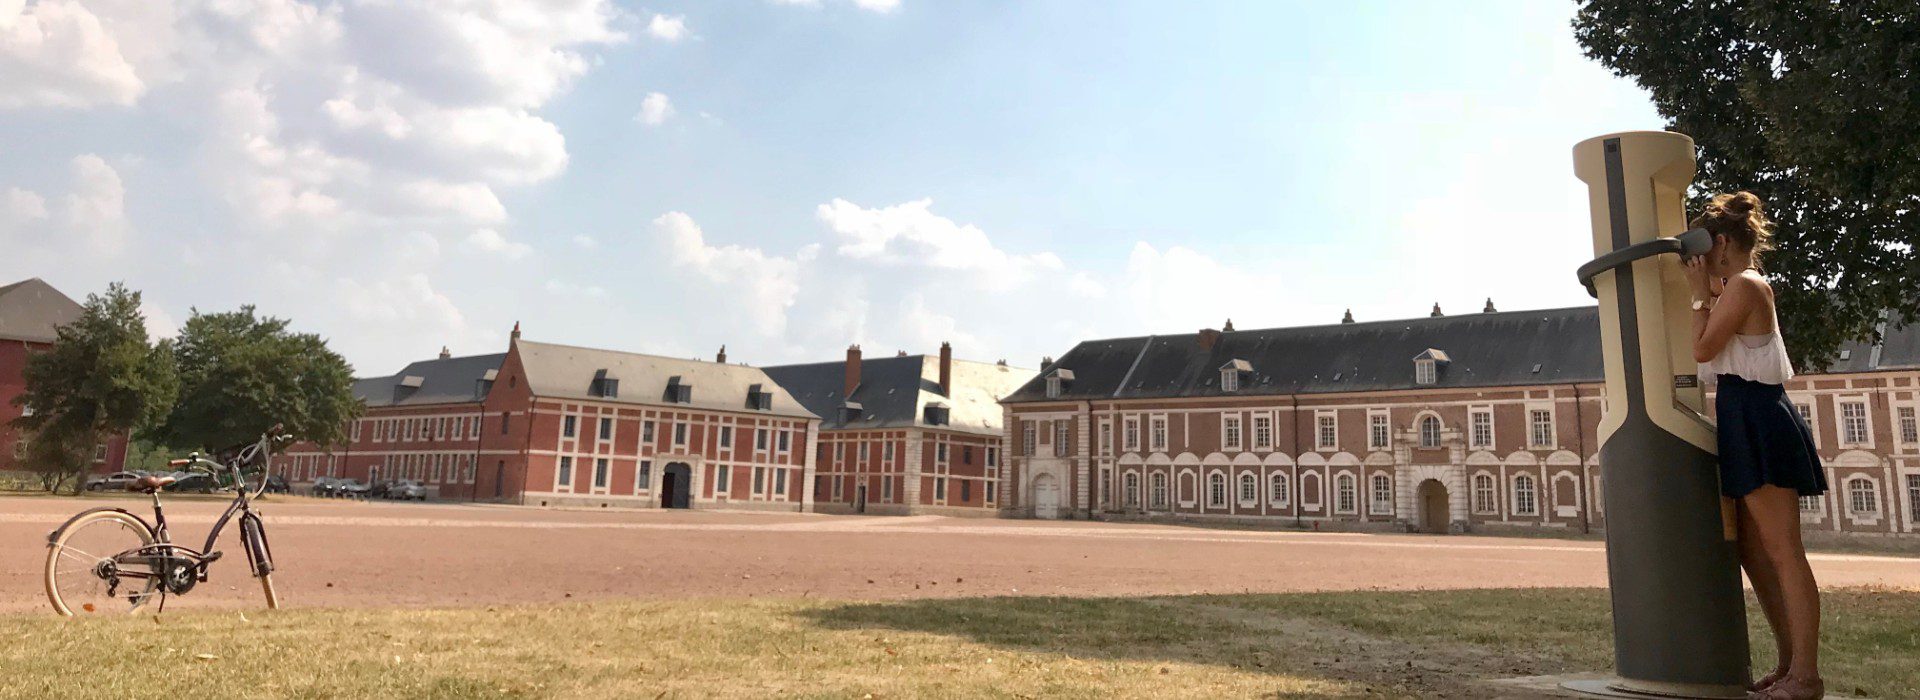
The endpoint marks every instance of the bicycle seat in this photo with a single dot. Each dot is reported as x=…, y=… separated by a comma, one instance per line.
x=149, y=483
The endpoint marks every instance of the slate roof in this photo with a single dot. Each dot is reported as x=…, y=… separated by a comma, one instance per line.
x=452, y=380
x=31, y=309
x=1486, y=350
x=895, y=391
x=566, y=371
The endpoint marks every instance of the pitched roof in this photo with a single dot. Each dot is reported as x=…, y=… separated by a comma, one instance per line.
x=31, y=309
x=437, y=381
x=1511, y=348
x=894, y=392
x=565, y=371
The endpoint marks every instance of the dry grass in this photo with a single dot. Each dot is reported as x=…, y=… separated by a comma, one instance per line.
x=1426, y=644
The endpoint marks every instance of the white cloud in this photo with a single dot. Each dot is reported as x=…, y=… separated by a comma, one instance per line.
x=911, y=234
x=21, y=206
x=160, y=324
x=655, y=109
x=570, y=289
x=1085, y=285
x=765, y=285
x=56, y=53
x=585, y=241
x=489, y=241
x=882, y=6
x=667, y=28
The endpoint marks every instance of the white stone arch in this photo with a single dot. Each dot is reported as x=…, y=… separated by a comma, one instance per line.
x=1186, y=487
x=1522, y=459
x=1239, y=484
x=1278, y=459
x=1563, y=458
x=1524, y=488
x=1133, y=487
x=1311, y=486
x=1216, y=459
x=1877, y=497
x=1857, y=459
x=1343, y=482
x=1186, y=459
x=1489, y=502
x=1483, y=458
x=1219, y=477
x=1565, y=481
x=1380, y=459
x=1279, y=482
x=1131, y=458
x=1246, y=459
x=1312, y=460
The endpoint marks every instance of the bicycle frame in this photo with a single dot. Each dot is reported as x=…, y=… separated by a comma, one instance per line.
x=253, y=535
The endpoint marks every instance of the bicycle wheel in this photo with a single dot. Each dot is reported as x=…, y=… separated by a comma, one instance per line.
x=85, y=561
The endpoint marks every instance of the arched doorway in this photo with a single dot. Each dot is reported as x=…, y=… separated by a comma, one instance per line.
x=1046, y=497
x=1434, y=511
x=676, y=486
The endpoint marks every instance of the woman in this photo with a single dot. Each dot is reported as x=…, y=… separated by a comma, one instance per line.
x=1767, y=456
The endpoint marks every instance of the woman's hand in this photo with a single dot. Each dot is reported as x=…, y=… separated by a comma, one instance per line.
x=1697, y=277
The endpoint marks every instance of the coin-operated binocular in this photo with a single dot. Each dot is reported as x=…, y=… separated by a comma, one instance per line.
x=1679, y=617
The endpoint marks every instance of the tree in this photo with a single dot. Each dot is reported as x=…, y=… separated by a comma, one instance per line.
x=101, y=378
x=240, y=374
x=1813, y=105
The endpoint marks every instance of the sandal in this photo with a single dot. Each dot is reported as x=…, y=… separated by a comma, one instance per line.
x=1791, y=688
x=1767, y=681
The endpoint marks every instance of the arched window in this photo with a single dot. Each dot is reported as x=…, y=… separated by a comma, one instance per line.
x=1217, y=490
x=1382, y=494
x=1430, y=431
x=1159, y=501
x=1863, y=497
x=1130, y=484
x=1344, y=499
x=1249, y=489
x=1278, y=486
x=1483, y=493
x=1525, y=496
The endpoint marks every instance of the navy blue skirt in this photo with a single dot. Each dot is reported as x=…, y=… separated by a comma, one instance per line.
x=1763, y=440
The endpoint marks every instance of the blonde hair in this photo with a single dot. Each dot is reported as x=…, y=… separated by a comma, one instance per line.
x=1741, y=217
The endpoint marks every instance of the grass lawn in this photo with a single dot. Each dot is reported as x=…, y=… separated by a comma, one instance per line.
x=1425, y=644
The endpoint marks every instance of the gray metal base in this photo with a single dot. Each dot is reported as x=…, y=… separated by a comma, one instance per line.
x=1611, y=688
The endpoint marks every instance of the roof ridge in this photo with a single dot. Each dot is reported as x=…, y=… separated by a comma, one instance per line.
x=641, y=354
x=1419, y=319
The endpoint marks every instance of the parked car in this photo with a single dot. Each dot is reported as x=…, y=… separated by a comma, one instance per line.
x=406, y=490
x=194, y=483
x=351, y=488
x=322, y=486
x=275, y=484
x=379, y=488
x=116, y=481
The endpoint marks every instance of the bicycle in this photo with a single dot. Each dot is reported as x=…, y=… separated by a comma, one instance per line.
x=141, y=561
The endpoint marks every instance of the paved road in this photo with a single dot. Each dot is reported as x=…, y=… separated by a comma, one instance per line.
x=333, y=553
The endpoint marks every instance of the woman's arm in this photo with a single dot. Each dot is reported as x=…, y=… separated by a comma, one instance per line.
x=1714, y=327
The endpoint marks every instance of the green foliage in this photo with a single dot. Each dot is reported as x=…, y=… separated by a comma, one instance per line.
x=1813, y=105
x=241, y=373
x=100, y=378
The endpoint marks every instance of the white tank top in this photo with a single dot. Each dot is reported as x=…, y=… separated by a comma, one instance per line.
x=1757, y=358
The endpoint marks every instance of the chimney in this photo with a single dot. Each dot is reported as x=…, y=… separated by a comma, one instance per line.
x=1436, y=311
x=721, y=357
x=900, y=353
x=1347, y=318
x=516, y=330
x=946, y=369
x=1227, y=328
x=1208, y=337
x=853, y=372
x=1489, y=308
x=1046, y=363
x=444, y=353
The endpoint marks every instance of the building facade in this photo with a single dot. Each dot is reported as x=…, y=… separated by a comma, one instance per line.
x=905, y=434
x=30, y=312
x=1440, y=424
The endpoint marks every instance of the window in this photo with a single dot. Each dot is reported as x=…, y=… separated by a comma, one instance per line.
x=1913, y=498
x=1230, y=432
x=1249, y=489
x=643, y=477
x=1524, y=502
x=886, y=488
x=1483, y=428
x=940, y=488
x=785, y=441
x=840, y=453
x=1809, y=504
x=779, y=482
x=1382, y=494
x=1377, y=431
x=1430, y=432
x=722, y=481
x=1853, y=422
x=679, y=434
x=1217, y=490
x=504, y=416
x=1130, y=489
x=1909, y=427
x=1159, y=500
x=1862, y=497
x=966, y=453
x=993, y=456
x=1229, y=380
x=966, y=491
x=1106, y=438
x=1159, y=433
x=760, y=439
x=940, y=452
x=886, y=453
x=1277, y=492
x=1060, y=428
x=1424, y=372
x=990, y=492
x=1130, y=433
x=1542, y=432
x=606, y=428
x=1029, y=437
x=1263, y=432
x=459, y=428
x=566, y=471
x=1483, y=493
x=1345, y=496
x=1053, y=387
x=1326, y=437
x=646, y=432
x=355, y=437
x=759, y=480
x=599, y=473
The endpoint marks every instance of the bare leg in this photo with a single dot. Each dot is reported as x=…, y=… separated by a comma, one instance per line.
x=1776, y=517
x=1766, y=586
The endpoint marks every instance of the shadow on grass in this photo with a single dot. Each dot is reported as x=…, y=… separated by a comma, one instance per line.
x=1420, y=642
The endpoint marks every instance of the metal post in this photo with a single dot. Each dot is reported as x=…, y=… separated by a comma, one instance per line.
x=1678, y=610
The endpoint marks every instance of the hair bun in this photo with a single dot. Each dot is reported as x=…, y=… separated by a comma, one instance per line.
x=1742, y=203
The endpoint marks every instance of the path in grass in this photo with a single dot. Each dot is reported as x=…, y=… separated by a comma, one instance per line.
x=1387, y=644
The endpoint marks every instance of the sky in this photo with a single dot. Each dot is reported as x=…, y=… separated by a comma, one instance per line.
x=788, y=177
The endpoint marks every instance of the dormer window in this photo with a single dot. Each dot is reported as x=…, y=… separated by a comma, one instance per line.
x=679, y=391
x=758, y=398
x=604, y=386
x=484, y=384
x=1230, y=374
x=1057, y=381
x=850, y=411
x=938, y=414
x=1427, y=366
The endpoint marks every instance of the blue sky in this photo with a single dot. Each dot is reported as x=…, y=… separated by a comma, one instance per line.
x=790, y=177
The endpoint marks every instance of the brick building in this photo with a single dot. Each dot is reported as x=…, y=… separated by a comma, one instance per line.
x=547, y=424
x=1459, y=423
x=30, y=311
x=905, y=434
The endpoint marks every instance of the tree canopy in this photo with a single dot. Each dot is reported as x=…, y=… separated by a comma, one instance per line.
x=241, y=373
x=1815, y=106
x=101, y=378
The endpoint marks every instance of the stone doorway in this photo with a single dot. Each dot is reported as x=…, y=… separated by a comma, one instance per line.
x=1433, y=507
x=1046, y=497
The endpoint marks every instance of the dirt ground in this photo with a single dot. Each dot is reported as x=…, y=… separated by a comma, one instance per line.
x=345, y=554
